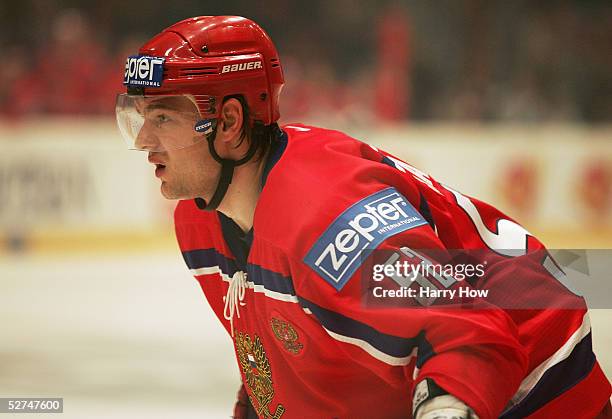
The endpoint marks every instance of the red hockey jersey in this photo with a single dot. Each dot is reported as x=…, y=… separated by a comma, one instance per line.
x=306, y=344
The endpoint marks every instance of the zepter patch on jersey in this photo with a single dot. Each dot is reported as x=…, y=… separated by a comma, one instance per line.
x=340, y=250
x=143, y=71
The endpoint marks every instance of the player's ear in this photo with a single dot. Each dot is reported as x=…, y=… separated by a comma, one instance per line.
x=231, y=120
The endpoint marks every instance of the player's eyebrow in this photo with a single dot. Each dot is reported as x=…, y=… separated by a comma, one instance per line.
x=159, y=105
x=163, y=105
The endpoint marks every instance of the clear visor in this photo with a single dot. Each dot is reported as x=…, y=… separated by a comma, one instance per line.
x=158, y=123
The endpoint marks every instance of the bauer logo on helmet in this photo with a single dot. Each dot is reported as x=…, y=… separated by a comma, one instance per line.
x=251, y=65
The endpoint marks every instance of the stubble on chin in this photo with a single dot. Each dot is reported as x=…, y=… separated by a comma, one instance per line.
x=191, y=179
x=170, y=191
x=165, y=191
x=178, y=190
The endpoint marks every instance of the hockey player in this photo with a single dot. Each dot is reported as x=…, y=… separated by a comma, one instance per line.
x=277, y=225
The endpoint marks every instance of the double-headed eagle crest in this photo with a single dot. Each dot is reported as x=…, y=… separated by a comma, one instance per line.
x=286, y=334
x=256, y=368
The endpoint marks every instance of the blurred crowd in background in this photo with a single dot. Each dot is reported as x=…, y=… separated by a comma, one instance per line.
x=353, y=61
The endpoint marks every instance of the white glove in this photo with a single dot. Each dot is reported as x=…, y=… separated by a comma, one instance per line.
x=445, y=407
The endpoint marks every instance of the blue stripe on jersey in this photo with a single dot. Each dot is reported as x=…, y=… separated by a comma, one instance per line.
x=557, y=380
x=205, y=258
x=426, y=351
x=426, y=211
x=270, y=280
x=389, y=344
x=395, y=346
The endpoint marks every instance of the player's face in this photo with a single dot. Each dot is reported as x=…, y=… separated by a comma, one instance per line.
x=180, y=154
x=187, y=172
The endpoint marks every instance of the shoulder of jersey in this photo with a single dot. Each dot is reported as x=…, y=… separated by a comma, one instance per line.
x=321, y=174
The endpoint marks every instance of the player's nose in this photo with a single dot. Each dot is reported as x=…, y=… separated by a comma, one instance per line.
x=147, y=140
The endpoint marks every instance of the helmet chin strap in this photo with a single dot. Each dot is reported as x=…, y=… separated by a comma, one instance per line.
x=227, y=173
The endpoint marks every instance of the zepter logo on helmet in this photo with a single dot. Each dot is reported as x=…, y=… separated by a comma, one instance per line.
x=179, y=79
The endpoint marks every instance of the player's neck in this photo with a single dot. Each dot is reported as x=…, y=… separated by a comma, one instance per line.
x=241, y=198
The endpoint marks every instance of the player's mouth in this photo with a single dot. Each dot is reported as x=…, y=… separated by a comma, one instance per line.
x=159, y=170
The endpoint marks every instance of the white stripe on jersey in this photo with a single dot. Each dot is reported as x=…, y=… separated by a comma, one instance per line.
x=297, y=128
x=381, y=356
x=562, y=353
x=211, y=270
x=510, y=238
x=371, y=350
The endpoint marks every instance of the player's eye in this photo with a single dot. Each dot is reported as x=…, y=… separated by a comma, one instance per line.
x=161, y=118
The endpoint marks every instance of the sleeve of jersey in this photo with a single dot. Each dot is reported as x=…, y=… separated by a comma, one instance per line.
x=555, y=330
x=473, y=354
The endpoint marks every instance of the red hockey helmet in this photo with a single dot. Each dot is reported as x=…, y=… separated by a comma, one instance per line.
x=204, y=59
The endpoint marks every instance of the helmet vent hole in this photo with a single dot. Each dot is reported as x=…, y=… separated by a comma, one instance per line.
x=197, y=71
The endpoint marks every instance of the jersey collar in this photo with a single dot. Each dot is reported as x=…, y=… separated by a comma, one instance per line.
x=274, y=156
